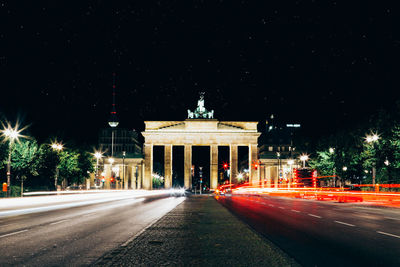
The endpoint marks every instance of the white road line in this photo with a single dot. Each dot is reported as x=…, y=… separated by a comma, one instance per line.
x=271, y=205
x=383, y=233
x=13, y=233
x=316, y=216
x=58, y=222
x=392, y=218
x=90, y=214
x=348, y=224
x=282, y=208
x=296, y=210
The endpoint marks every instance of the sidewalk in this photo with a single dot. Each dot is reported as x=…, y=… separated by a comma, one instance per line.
x=198, y=232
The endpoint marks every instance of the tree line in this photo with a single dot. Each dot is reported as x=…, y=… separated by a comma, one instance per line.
x=35, y=165
x=353, y=154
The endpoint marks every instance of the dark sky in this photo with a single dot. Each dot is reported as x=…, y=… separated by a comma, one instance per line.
x=324, y=64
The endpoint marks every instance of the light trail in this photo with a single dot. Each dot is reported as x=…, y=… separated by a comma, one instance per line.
x=390, y=199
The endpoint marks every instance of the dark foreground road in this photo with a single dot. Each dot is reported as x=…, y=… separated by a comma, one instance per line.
x=76, y=235
x=323, y=234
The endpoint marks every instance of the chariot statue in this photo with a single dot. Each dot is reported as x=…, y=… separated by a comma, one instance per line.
x=200, y=112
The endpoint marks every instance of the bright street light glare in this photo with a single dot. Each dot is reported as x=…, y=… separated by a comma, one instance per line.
x=304, y=157
x=98, y=155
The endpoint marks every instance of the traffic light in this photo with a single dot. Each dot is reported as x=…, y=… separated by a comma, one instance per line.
x=225, y=166
x=314, y=178
x=295, y=175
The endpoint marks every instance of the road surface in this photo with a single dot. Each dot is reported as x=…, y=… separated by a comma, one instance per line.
x=323, y=234
x=64, y=231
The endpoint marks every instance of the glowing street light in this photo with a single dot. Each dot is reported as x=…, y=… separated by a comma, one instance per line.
x=344, y=168
x=111, y=160
x=98, y=155
x=372, y=139
x=290, y=162
x=56, y=147
x=12, y=135
x=304, y=158
x=331, y=150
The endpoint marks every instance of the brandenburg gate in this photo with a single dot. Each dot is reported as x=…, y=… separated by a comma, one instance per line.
x=199, y=129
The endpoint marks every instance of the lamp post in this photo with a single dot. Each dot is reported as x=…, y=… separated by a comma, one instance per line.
x=304, y=158
x=372, y=139
x=290, y=162
x=123, y=169
x=278, y=154
x=56, y=147
x=98, y=155
x=10, y=134
x=111, y=161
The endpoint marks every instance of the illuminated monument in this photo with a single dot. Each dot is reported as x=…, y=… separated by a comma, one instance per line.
x=199, y=129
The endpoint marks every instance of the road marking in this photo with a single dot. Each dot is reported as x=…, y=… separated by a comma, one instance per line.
x=58, y=222
x=383, y=233
x=392, y=218
x=90, y=214
x=13, y=233
x=316, y=216
x=296, y=210
x=271, y=205
x=348, y=224
x=282, y=208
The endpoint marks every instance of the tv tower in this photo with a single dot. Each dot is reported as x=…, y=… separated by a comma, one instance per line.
x=113, y=121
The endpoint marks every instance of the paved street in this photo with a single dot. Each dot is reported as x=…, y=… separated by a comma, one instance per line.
x=323, y=234
x=74, y=230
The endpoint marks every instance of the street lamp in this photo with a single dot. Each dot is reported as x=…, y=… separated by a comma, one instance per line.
x=11, y=134
x=304, y=158
x=344, y=168
x=98, y=155
x=290, y=162
x=56, y=147
x=372, y=139
x=123, y=169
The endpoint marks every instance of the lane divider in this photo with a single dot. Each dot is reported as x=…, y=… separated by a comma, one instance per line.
x=14, y=233
x=388, y=234
x=296, y=211
x=348, y=224
x=59, y=222
x=313, y=215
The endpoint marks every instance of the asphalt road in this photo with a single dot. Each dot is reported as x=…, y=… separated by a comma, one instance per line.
x=319, y=233
x=75, y=233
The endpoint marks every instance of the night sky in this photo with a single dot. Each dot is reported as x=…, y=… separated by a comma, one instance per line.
x=324, y=64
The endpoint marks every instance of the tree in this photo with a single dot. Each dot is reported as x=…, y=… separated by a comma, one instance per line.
x=25, y=160
x=68, y=165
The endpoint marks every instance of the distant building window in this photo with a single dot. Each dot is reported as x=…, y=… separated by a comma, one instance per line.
x=270, y=148
x=283, y=148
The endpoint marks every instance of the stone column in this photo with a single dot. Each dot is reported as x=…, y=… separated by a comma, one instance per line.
x=188, y=166
x=140, y=175
x=233, y=164
x=213, y=167
x=133, y=177
x=276, y=176
x=148, y=166
x=107, y=169
x=253, y=158
x=125, y=173
x=168, y=166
